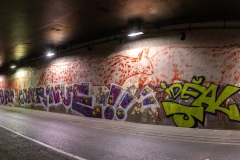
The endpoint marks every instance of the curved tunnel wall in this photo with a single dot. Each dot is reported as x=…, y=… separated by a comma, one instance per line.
x=160, y=80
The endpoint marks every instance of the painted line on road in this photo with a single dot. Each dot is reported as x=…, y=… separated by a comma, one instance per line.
x=45, y=145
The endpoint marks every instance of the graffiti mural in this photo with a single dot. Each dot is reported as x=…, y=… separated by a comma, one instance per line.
x=201, y=100
x=145, y=85
x=117, y=69
x=79, y=99
x=7, y=97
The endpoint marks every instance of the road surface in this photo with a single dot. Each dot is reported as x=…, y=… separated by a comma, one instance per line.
x=36, y=135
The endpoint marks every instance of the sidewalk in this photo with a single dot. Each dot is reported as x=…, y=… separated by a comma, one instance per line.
x=157, y=131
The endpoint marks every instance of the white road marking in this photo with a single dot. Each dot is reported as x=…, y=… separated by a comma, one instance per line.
x=45, y=145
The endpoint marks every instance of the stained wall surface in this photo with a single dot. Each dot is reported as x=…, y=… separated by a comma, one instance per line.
x=160, y=80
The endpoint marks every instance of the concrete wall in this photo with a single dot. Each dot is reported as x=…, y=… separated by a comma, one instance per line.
x=157, y=80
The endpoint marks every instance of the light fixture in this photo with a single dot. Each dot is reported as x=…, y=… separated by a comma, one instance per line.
x=50, y=54
x=13, y=66
x=135, y=33
x=182, y=36
x=134, y=27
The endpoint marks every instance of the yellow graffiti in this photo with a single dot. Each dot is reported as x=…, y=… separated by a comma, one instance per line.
x=173, y=91
x=183, y=116
x=204, y=100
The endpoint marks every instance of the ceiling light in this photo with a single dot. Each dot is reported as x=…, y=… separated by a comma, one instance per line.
x=133, y=34
x=134, y=27
x=12, y=66
x=50, y=54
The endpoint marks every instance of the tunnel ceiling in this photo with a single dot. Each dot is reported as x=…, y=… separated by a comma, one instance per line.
x=29, y=27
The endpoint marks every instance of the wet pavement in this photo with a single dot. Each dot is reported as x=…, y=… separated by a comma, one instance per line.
x=105, y=139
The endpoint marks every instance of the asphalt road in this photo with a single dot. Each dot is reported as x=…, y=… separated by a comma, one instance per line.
x=55, y=138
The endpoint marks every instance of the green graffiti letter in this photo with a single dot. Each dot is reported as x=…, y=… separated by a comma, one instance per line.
x=184, y=116
x=192, y=90
x=208, y=97
x=198, y=80
x=173, y=91
x=232, y=111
